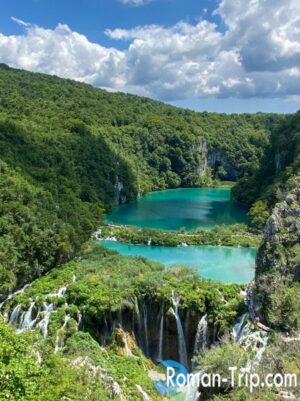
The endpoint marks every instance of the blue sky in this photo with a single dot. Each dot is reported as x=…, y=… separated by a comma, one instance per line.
x=206, y=55
x=93, y=17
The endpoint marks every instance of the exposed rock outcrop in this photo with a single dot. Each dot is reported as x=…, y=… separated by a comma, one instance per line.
x=278, y=264
x=217, y=160
x=281, y=235
x=100, y=374
x=120, y=195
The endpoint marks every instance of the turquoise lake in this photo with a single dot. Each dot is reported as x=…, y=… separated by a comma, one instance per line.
x=226, y=264
x=173, y=209
x=188, y=208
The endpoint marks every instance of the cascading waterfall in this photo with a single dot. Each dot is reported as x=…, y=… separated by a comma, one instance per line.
x=145, y=316
x=14, y=317
x=240, y=329
x=43, y=324
x=161, y=334
x=61, y=292
x=27, y=320
x=201, y=335
x=181, y=341
x=256, y=341
x=261, y=350
x=106, y=331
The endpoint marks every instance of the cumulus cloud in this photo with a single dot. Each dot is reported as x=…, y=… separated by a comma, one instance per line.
x=257, y=54
x=65, y=53
x=267, y=32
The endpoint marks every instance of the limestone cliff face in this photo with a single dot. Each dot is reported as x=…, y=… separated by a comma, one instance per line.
x=282, y=234
x=214, y=159
x=277, y=289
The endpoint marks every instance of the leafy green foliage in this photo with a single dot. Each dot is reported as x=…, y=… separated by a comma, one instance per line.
x=234, y=235
x=70, y=151
x=279, y=164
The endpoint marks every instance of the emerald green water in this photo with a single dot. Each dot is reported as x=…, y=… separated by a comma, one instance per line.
x=229, y=265
x=188, y=208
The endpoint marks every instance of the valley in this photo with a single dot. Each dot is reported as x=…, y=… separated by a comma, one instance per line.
x=107, y=201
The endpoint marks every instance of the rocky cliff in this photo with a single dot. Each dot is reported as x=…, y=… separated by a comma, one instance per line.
x=278, y=263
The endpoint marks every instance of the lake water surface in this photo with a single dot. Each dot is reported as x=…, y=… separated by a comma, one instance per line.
x=173, y=209
x=226, y=264
x=188, y=208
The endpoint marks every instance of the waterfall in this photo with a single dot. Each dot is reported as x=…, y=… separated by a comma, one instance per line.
x=106, y=333
x=192, y=392
x=201, y=335
x=161, y=335
x=144, y=394
x=79, y=320
x=27, y=320
x=239, y=329
x=74, y=278
x=145, y=316
x=139, y=322
x=43, y=324
x=257, y=342
x=181, y=341
x=58, y=342
x=60, y=292
x=261, y=350
x=15, y=314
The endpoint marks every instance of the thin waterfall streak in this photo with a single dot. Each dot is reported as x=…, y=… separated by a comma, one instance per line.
x=145, y=316
x=181, y=340
x=161, y=335
x=139, y=322
x=201, y=335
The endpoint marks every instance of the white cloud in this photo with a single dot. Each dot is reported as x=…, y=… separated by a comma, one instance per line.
x=65, y=53
x=136, y=3
x=257, y=55
x=267, y=32
x=21, y=22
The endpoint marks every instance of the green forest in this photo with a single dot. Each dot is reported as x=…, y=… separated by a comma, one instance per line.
x=69, y=153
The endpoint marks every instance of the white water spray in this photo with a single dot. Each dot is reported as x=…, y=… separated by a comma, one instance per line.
x=201, y=335
x=181, y=341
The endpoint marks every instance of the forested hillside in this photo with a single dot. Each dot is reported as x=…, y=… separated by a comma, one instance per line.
x=280, y=163
x=70, y=151
x=89, y=329
x=274, y=191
